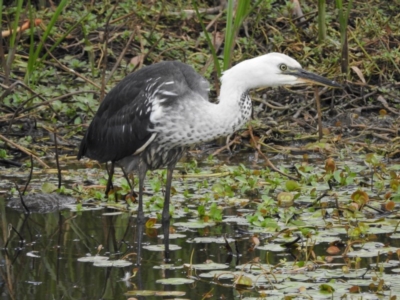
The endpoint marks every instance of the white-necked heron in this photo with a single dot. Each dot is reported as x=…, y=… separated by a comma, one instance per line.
x=149, y=118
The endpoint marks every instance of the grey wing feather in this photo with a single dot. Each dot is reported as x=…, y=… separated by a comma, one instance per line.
x=122, y=123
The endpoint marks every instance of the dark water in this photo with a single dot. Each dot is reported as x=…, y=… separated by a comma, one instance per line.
x=39, y=256
x=40, y=261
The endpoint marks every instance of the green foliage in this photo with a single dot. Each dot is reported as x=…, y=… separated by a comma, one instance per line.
x=396, y=195
x=214, y=213
x=192, y=166
x=48, y=187
x=209, y=42
x=201, y=209
x=3, y=153
x=292, y=185
x=263, y=216
x=156, y=183
x=321, y=20
x=345, y=177
x=222, y=190
x=34, y=54
x=343, y=21
x=265, y=222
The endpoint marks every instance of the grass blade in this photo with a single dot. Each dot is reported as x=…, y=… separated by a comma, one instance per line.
x=33, y=59
x=228, y=34
x=209, y=42
x=12, y=48
x=321, y=20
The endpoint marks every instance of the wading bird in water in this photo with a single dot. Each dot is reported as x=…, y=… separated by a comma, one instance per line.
x=153, y=115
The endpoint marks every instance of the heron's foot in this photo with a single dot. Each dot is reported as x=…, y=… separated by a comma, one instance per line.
x=133, y=194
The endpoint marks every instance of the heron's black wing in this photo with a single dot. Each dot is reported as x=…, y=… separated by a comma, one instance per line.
x=122, y=124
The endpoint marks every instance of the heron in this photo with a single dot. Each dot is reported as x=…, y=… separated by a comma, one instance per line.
x=153, y=115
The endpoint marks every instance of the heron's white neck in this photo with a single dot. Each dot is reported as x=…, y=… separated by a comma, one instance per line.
x=234, y=107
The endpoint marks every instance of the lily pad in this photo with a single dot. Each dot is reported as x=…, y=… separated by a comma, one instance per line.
x=218, y=274
x=116, y=213
x=218, y=240
x=168, y=267
x=195, y=224
x=175, y=281
x=272, y=247
x=155, y=293
x=92, y=258
x=161, y=247
x=173, y=236
x=209, y=266
x=120, y=263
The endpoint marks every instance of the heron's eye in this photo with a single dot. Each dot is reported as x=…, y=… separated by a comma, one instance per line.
x=283, y=67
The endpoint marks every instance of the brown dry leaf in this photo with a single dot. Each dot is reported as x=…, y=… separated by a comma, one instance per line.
x=136, y=59
x=329, y=259
x=360, y=197
x=355, y=289
x=333, y=250
x=388, y=29
x=218, y=39
x=255, y=240
x=297, y=9
x=330, y=165
x=389, y=206
x=151, y=222
x=302, y=289
x=337, y=138
x=326, y=131
x=256, y=139
x=23, y=27
x=359, y=74
x=353, y=206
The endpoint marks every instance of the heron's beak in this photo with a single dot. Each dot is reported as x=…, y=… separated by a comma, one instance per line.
x=304, y=76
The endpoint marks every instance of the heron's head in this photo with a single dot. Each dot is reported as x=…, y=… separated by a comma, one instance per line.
x=275, y=69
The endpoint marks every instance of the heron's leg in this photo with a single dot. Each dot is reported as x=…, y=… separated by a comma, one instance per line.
x=131, y=184
x=110, y=176
x=140, y=213
x=165, y=213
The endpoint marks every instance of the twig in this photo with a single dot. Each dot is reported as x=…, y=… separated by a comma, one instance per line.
x=104, y=61
x=235, y=140
x=58, y=98
x=267, y=161
x=29, y=178
x=153, y=45
x=121, y=56
x=208, y=175
x=22, y=199
x=23, y=149
x=318, y=104
x=72, y=71
x=57, y=160
x=386, y=105
x=266, y=103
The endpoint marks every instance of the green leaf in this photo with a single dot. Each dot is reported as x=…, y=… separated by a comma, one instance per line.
x=201, y=210
x=48, y=187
